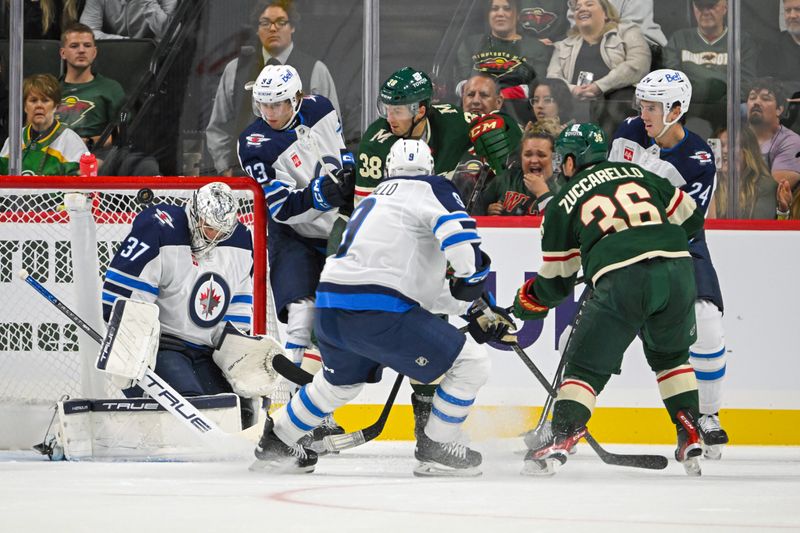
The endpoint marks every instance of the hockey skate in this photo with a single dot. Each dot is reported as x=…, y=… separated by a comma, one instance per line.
x=276, y=457
x=714, y=437
x=314, y=439
x=550, y=455
x=448, y=459
x=690, y=444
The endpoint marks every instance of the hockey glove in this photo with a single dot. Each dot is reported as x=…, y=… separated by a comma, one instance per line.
x=488, y=322
x=489, y=136
x=327, y=193
x=526, y=307
x=470, y=289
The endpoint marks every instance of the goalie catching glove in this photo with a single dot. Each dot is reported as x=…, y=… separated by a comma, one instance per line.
x=526, y=307
x=246, y=362
x=488, y=322
x=489, y=136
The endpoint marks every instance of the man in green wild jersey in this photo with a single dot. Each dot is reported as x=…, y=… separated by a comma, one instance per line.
x=407, y=113
x=629, y=230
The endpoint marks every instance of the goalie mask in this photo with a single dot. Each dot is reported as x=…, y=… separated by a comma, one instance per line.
x=667, y=87
x=274, y=85
x=212, y=216
x=409, y=158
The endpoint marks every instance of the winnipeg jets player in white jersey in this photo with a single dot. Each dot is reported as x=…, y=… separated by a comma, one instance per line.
x=284, y=150
x=196, y=264
x=376, y=306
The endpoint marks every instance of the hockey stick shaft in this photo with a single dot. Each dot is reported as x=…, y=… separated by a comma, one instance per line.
x=652, y=462
x=151, y=383
x=304, y=136
x=335, y=443
x=476, y=191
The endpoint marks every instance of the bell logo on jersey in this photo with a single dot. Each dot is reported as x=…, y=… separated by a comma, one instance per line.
x=209, y=300
x=703, y=157
x=296, y=160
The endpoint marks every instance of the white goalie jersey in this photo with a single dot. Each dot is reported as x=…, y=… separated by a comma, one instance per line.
x=397, y=246
x=196, y=295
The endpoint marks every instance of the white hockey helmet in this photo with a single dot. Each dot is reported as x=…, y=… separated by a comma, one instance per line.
x=409, y=157
x=278, y=83
x=212, y=206
x=666, y=86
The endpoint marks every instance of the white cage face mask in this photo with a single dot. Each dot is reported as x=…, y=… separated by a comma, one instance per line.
x=212, y=215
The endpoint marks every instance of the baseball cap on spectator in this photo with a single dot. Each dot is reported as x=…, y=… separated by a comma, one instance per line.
x=705, y=3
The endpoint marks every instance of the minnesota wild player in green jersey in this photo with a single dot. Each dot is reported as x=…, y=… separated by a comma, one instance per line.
x=407, y=113
x=628, y=229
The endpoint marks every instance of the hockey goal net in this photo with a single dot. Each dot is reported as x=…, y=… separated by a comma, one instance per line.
x=65, y=241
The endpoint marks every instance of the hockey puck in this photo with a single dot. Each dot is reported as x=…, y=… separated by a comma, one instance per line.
x=145, y=196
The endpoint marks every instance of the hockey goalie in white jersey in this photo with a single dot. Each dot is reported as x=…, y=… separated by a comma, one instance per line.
x=376, y=307
x=195, y=263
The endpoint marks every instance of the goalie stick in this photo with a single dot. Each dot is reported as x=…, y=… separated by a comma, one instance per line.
x=151, y=383
x=648, y=461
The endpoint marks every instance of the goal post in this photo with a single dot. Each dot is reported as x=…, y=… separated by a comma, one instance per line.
x=65, y=231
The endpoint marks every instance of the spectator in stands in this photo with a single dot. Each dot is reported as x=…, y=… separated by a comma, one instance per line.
x=601, y=60
x=757, y=189
x=276, y=21
x=779, y=145
x=787, y=209
x=42, y=19
x=545, y=20
x=128, y=19
x=702, y=53
x=481, y=94
x=783, y=61
x=525, y=189
x=49, y=148
x=89, y=101
x=640, y=13
x=502, y=52
x=552, y=100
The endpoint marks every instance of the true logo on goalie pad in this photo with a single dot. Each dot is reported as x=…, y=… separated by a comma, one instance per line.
x=209, y=301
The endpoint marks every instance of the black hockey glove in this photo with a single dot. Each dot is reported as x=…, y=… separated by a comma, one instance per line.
x=470, y=289
x=488, y=322
x=327, y=193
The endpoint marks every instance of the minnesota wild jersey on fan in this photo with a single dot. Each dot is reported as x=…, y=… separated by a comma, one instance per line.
x=54, y=153
x=447, y=136
x=607, y=217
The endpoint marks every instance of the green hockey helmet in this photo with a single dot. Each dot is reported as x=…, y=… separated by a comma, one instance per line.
x=405, y=87
x=586, y=143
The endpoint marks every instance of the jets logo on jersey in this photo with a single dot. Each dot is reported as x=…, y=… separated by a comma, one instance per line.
x=256, y=139
x=209, y=300
x=164, y=218
x=703, y=157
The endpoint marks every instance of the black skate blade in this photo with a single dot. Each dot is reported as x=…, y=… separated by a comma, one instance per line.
x=431, y=469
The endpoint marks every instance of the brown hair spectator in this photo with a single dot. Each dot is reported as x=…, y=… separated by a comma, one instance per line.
x=45, y=84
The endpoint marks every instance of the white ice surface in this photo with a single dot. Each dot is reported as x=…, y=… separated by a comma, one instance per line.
x=371, y=488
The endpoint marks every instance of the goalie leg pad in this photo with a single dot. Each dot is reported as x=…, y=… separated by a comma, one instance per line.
x=131, y=341
x=708, y=356
x=310, y=406
x=456, y=393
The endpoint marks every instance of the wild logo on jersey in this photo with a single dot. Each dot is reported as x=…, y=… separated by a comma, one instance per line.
x=209, y=300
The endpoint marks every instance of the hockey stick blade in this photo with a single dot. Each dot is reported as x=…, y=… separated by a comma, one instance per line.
x=647, y=461
x=291, y=371
x=335, y=443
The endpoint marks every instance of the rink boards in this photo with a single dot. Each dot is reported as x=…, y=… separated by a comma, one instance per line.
x=757, y=264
